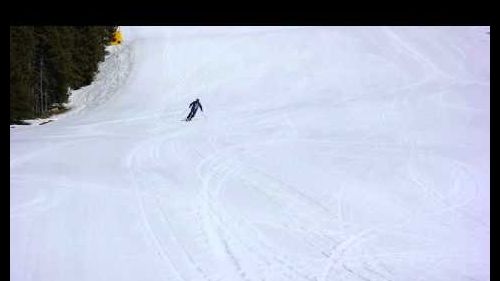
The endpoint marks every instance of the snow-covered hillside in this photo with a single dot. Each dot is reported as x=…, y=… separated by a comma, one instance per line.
x=323, y=153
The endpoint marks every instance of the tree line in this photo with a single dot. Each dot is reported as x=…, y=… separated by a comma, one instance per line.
x=46, y=62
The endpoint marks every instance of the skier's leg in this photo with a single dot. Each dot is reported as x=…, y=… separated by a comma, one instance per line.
x=190, y=115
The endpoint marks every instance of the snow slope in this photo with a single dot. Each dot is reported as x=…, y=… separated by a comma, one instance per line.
x=324, y=153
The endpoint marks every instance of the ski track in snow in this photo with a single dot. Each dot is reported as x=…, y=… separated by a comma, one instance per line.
x=356, y=179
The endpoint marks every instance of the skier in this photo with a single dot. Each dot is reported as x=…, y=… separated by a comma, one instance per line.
x=194, y=107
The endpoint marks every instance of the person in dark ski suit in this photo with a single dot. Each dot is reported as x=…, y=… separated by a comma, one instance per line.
x=194, y=107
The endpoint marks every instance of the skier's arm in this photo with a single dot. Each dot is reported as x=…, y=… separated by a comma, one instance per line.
x=200, y=107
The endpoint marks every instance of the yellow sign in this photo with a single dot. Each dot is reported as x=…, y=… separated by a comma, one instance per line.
x=117, y=38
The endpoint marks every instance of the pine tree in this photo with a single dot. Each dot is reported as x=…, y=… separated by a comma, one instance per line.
x=22, y=47
x=47, y=61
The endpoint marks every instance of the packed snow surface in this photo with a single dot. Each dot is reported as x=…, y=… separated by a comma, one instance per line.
x=323, y=153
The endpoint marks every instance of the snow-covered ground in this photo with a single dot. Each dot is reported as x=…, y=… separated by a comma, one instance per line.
x=323, y=153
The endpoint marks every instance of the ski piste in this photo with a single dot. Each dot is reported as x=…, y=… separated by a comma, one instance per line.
x=326, y=153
